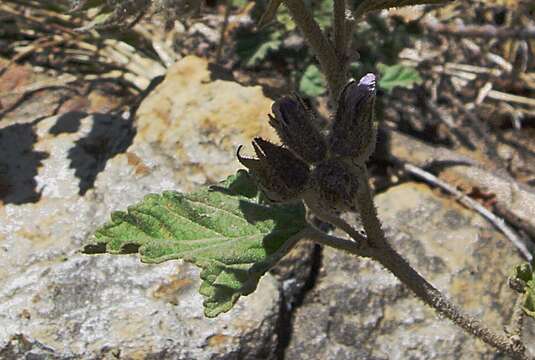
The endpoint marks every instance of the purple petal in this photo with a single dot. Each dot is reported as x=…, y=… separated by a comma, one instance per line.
x=368, y=81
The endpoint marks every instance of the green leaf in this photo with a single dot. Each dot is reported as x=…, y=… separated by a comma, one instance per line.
x=226, y=230
x=312, y=82
x=253, y=48
x=322, y=11
x=285, y=19
x=397, y=75
x=525, y=274
x=101, y=20
x=529, y=300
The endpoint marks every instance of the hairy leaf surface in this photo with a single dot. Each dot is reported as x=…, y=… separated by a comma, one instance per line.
x=226, y=230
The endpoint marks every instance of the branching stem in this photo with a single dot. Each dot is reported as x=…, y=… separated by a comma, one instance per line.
x=335, y=242
x=378, y=248
x=391, y=260
x=322, y=47
x=337, y=221
x=368, y=213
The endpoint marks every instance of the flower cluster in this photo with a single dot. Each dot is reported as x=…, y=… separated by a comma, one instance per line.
x=308, y=162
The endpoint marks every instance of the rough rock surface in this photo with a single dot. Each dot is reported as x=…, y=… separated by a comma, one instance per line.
x=357, y=310
x=201, y=122
x=63, y=176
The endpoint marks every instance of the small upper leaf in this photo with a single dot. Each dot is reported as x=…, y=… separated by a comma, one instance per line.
x=226, y=230
x=397, y=75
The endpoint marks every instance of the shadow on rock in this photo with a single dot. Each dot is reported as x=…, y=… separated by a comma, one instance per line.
x=110, y=135
x=19, y=164
x=97, y=137
x=68, y=123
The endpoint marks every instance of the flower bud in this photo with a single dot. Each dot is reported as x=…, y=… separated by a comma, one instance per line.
x=280, y=174
x=335, y=185
x=294, y=125
x=353, y=133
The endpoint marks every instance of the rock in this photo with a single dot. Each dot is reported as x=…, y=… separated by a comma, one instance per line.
x=49, y=167
x=62, y=176
x=358, y=310
x=204, y=126
x=90, y=307
x=513, y=200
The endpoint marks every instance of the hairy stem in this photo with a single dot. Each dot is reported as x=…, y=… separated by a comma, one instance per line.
x=517, y=319
x=368, y=212
x=339, y=25
x=343, y=25
x=391, y=260
x=381, y=251
x=335, y=242
x=322, y=47
x=336, y=221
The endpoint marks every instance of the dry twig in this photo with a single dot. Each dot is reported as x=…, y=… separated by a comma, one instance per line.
x=472, y=204
x=485, y=31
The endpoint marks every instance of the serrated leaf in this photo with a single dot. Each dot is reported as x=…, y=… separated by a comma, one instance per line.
x=225, y=230
x=397, y=76
x=366, y=6
x=312, y=82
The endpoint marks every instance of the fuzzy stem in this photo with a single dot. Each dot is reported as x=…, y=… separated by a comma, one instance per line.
x=322, y=47
x=517, y=319
x=368, y=213
x=335, y=242
x=339, y=24
x=336, y=221
x=391, y=260
x=381, y=251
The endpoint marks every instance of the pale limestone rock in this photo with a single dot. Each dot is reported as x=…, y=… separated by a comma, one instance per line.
x=65, y=174
x=201, y=122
